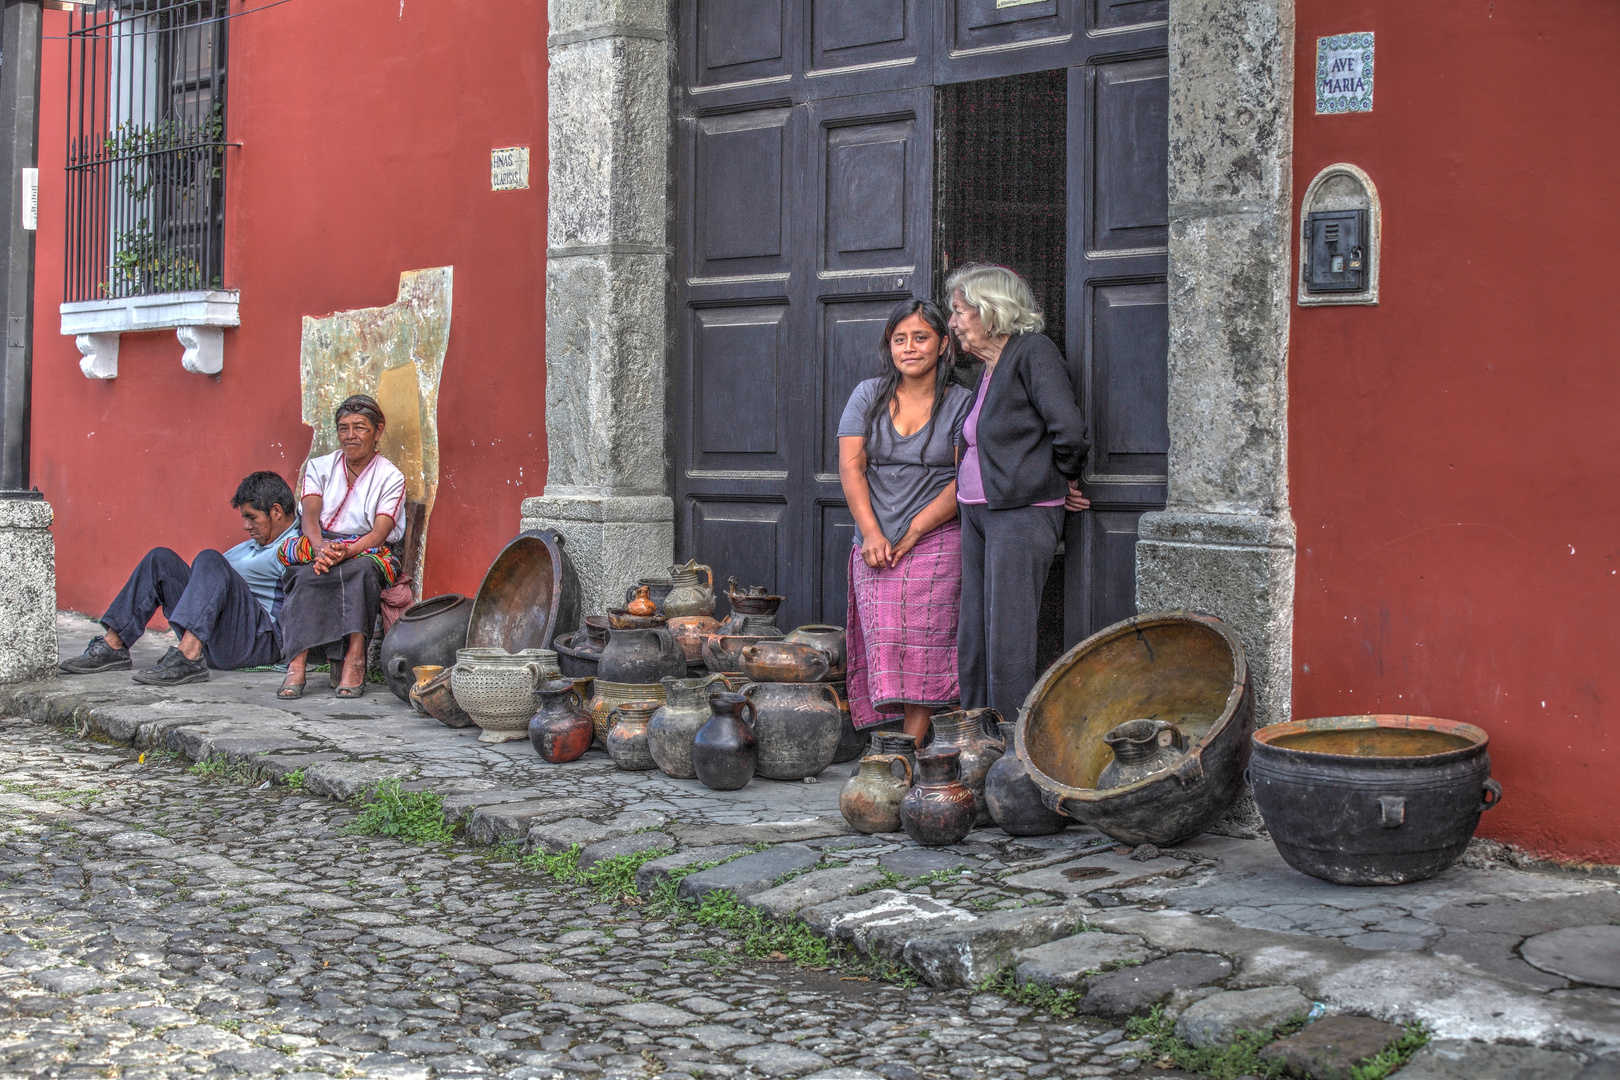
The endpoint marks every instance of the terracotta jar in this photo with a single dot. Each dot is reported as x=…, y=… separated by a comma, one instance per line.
x=1014, y=800
x=829, y=641
x=643, y=604
x=1141, y=748
x=870, y=802
x=657, y=589
x=607, y=696
x=627, y=736
x=672, y=728
x=561, y=729
x=939, y=808
x=970, y=732
x=690, y=632
x=421, y=675
x=725, y=751
x=782, y=661
x=687, y=595
x=797, y=727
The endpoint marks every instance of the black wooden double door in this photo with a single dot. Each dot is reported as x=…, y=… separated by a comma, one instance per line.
x=804, y=189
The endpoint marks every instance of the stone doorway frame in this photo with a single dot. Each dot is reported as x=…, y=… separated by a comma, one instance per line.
x=1225, y=542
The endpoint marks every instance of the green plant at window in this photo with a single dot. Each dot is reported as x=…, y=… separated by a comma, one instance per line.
x=166, y=156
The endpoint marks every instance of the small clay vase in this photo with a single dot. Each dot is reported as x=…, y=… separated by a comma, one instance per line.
x=870, y=802
x=690, y=632
x=642, y=605
x=1014, y=800
x=724, y=750
x=939, y=809
x=627, y=741
x=1141, y=748
x=561, y=729
x=421, y=675
x=672, y=728
x=970, y=732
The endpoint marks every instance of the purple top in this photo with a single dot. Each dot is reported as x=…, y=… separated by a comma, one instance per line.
x=969, y=484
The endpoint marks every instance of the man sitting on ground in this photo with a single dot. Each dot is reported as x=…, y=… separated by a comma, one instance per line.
x=224, y=607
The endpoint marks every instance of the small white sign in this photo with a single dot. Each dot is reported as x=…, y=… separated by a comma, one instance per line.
x=30, y=199
x=509, y=169
x=1344, y=73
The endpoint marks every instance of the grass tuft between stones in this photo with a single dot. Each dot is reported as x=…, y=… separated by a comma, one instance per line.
x=414, y=816
x=1242, y=1057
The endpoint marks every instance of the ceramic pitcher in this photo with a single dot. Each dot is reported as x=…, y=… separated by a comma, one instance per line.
x=672, y=728
x=689, y=596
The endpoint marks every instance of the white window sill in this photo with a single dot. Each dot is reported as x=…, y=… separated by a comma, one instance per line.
x=198, y=318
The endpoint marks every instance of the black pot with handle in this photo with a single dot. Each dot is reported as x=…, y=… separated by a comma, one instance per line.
x=428, y=633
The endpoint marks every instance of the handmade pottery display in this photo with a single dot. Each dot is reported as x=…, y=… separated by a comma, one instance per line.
x=561, y=728
x=1372, y=800
x=1141, y=748
x=439, y=701
x=607, y=696
x=422, y=674
x=974, y=733
x=657, y=589
x=427, y=634
x=672, y=728
x=939, y=809
x=688, y=596
x=782, y=661
x=797, y=725
x=724, y=750
x=690, y=632
x=642, y=605
x=830, y=642
x=1014, y=800
x=723, y=652
x=627, y=735
x=1181, y=666
x=870, y=801
x=640, y=656
x=529, y=595
x=497, y=691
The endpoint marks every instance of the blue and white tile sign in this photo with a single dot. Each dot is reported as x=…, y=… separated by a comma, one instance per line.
x=1344, y=73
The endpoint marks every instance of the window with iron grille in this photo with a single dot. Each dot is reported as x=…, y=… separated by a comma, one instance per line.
x=146, y=148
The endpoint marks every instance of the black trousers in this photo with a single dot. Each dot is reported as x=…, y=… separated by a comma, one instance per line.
x=322, y=610
x=208, y=598
x=1006, y=555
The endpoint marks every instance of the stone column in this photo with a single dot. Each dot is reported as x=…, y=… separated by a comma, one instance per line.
x=27, y=591
x=1225, y=542
x=606, y=262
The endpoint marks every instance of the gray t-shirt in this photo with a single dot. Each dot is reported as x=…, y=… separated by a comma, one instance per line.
x=905, y=476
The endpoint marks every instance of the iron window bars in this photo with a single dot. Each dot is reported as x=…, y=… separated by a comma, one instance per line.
x=145, y=148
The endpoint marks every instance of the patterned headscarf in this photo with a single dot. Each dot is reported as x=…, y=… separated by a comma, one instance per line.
x=360, y=405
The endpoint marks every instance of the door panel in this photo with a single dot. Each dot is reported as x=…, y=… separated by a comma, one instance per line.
x=747, y=540
x=845, y=34
x=836, y=529
x=1131, y=193
x=742, y=217
x=1128, y=399
x=1117, y=14
x=981, y=39
x=850, y=333
x=743, y=40
x=737, y=367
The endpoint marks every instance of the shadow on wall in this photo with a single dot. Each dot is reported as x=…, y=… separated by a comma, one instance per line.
x=395, y=354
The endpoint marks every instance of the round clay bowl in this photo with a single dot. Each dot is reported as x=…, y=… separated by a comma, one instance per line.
x=620, y=619
x=528, y=595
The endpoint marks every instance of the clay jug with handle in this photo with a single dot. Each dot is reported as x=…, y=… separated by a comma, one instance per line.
x=725, y=751
x=689, y=596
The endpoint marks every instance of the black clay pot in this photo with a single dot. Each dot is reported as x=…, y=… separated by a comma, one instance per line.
x=1372, y=800
x=851, y=743
x=641, y=656
x=574, y=662
x=939, y=809
x=1014, y=800
x=724, y=750
x=428, y=633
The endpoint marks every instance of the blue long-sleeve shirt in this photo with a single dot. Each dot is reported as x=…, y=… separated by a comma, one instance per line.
x=262, y=570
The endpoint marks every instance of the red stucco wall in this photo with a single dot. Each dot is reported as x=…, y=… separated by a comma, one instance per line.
x=366, y=129
x=1453, y=450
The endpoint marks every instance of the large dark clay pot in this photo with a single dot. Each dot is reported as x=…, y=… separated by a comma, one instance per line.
x=640, y=656
x=724, y=750
x=561, y=730
x=627, y=735
x=971, y=733
x=1372, y=800
x=851, y=743
x=939, y=808
x=672, y=728
x=798, y=727
x=1014, y=800
x=871, y=800
x=428, y=633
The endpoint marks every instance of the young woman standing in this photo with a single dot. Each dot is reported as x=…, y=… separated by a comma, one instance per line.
x=897, y=451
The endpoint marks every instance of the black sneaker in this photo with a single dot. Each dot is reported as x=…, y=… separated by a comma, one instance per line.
x=174, y=670
x=97, y=656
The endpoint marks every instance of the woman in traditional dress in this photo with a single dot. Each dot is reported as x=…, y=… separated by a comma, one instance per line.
x=1025, y=447
x=897, y=445
x=353, y=503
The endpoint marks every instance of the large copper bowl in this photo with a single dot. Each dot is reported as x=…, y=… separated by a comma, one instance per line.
x=529, y=593
x=1181, y=666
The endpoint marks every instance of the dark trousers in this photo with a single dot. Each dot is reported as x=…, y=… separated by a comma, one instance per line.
x=208, y=598
x=1006, y=555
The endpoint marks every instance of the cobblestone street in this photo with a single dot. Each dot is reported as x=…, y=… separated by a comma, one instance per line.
x=157, y=922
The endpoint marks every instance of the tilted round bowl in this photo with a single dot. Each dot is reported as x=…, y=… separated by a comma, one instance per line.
x=1181, y=666
x=528, y=595
x=1372, y=800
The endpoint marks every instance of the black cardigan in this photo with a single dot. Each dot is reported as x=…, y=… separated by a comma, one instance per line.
x=1032, y=436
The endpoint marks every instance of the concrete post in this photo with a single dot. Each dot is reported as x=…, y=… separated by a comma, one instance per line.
x=1225, y=542
x=27, y=591
x=607, y=252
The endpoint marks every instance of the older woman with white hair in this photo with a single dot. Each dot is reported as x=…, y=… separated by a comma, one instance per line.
x=1026, y=444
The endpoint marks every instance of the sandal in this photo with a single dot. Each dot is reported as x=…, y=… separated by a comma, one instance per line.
x=351, y=691
x=290, y=691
